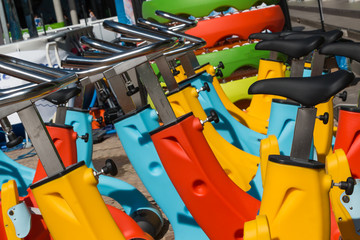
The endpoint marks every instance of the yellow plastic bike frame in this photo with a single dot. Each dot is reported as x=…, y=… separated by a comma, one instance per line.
x=240, y=166
x=64, y=204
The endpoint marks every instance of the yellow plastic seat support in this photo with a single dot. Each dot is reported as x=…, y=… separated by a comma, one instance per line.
x=9, y=198
x=257, y=229
x=240, y=166
x=73, y=208
x=338, y=167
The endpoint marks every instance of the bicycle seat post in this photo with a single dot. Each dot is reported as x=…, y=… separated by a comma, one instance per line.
x=303, y=133
x=188, y=63
x=150, y=81
x=165, y=71
x=117, y=85
x=297, y=67
x=41, y=140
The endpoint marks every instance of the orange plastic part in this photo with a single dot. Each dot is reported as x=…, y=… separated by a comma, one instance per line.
x=348, y=139
x=242, y=25
x=216, y=203
x=2, y=229
x=97, y=114
x=64, y=139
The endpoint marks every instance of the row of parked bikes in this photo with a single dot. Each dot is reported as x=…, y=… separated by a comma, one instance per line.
x=272, y=171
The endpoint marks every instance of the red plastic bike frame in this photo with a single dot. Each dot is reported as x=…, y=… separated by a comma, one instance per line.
x=348, y=139
x=216, y=203
x=240, y=24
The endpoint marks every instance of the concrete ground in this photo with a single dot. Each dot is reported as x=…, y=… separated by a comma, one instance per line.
x=338, y=14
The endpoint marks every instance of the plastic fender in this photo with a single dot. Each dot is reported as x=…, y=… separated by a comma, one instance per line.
x=200, y=180
x=241, y=24
x=240, y=166
x=188, y=7
x=337, y=166
x=348, y=139
x=9, y=169
x=261, y=104
x=64, y=139
x=130, y=198
x=256, y=124
x=9, y=198
x=64, y=204
x=257, y=229
x=133, y=132
x=230, y=129
x=296, y=206
x=268, y=146
x=323, y=133
x=81, y=121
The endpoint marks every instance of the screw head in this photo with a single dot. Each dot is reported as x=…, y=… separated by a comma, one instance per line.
x=346, y=199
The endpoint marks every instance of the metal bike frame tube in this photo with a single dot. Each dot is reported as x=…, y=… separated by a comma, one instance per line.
x=41, y=140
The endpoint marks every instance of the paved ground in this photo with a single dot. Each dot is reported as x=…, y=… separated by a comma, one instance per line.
x=338, y=14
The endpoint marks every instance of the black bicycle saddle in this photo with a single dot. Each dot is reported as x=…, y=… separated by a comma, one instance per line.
x=308, y=91
x=330, y=36
x=347, y=49
x=265, y=36
x=63, y=95
x=294, y=48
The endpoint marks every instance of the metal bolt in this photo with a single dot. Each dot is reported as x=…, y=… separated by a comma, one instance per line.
x=11, y=213
x=351, y=208
x=340, y=219
x=346, y=199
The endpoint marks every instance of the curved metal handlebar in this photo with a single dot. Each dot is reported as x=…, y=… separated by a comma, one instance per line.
x=169, y=31
x=32, y=91
x=130, y=39
x=184, y=49
x=136, y=52
x=175, y=18
x=181, y=27
x=145, y=22
x=102, y=45
x=118, y=49
x=183, y=35
x=29, y=71
x=134, y=31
